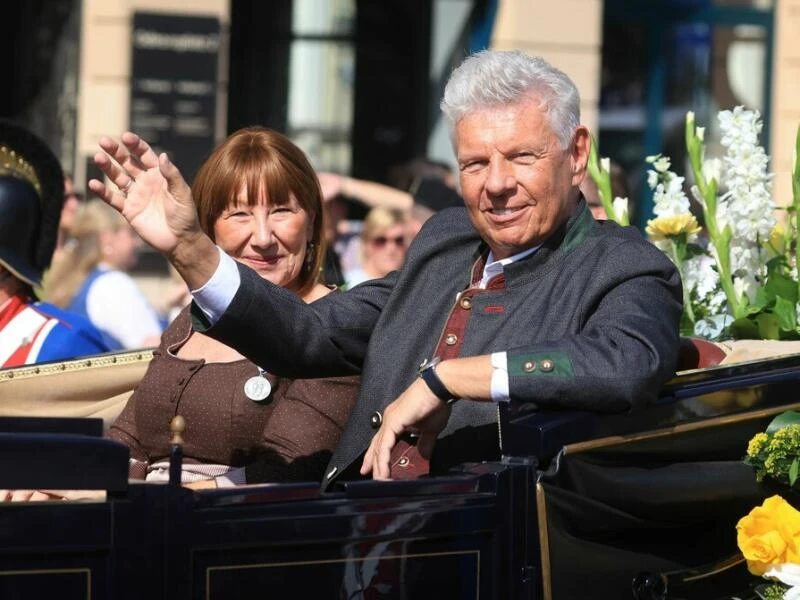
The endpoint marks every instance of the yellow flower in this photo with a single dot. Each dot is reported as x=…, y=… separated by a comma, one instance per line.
x=769, y=535
x=757, y=444
x=777, y=238
x=667, y=227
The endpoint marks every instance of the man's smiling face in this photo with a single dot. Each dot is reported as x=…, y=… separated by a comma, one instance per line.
x=518, y=183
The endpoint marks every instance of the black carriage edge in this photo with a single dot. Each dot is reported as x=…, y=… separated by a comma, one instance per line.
x=579, y=505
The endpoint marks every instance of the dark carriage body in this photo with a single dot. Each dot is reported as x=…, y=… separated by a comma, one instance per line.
x=579, y=505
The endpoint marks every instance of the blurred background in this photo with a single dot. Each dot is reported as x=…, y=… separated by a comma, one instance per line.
x=356, y=83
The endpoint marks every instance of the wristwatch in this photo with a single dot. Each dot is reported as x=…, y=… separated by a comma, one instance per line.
x=428, y=374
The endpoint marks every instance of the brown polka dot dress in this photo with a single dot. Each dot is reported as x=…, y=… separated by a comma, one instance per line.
x=288, y=436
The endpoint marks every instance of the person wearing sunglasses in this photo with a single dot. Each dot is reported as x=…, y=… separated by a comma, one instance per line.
x=383, y=246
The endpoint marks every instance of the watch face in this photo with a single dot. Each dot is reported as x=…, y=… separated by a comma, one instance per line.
x=428, y=363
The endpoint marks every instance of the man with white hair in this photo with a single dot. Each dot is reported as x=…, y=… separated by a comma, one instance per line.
x=523, y=297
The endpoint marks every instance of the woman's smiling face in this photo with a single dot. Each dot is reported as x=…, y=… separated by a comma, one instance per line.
x=272, y=240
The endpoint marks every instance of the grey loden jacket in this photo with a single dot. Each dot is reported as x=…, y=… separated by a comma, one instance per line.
x=596, y=299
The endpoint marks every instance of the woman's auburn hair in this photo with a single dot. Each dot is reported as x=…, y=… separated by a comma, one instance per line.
x=256, y=159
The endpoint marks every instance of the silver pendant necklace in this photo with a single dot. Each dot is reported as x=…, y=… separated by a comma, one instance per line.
x=258, y=387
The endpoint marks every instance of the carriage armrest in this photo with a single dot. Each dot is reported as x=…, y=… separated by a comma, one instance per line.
x=62, y=461
x=527, y=431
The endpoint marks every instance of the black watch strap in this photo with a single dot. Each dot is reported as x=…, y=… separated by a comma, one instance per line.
x=435, y=384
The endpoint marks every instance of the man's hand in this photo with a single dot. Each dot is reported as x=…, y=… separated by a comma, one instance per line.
x=152, y=195
x=417, y=410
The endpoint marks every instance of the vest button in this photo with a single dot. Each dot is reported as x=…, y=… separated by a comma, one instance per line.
x=466, y=303
x=403, y=462
x=529, y=366
x=547, y=365
x=375, y=420
x=450, y=339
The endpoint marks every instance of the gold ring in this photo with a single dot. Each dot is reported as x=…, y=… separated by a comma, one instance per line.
x=125, y=188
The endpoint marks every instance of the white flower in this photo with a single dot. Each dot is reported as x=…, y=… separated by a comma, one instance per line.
x=620, y=206
x=700, y=274
x=669, y=199
x=739, y=127
x=605, y=165
x=712, y=327
x=789, y=574
x=712, y=169
x=746, y=285
x=701, y=132
x=716, y=303
x=662, y=164
x=652, y=179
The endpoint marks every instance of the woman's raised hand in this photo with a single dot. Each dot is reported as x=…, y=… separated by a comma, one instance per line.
x=148, y=190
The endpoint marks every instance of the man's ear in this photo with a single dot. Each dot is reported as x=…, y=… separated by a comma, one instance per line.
x=581, y=141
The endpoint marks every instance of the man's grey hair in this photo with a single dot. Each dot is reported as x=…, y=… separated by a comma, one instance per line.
x=492, y=77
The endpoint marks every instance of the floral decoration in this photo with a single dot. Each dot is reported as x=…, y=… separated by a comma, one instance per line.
x=769, y=536
x=739, y=268
x=775, y=454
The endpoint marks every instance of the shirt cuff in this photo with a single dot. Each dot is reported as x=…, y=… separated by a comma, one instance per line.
x=231, y=479
x=499, y=386
x=216, y=295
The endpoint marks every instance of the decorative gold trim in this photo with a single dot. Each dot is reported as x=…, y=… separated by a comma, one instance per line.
x=477, y=554
x=77, y=364
x=616, y=440
x=15, y=165
x=87, y=572
x=544, y=542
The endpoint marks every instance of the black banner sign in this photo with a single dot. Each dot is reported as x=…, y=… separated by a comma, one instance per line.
x=174, y=85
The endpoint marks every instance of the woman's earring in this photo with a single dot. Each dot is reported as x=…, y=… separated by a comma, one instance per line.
x=309, y=260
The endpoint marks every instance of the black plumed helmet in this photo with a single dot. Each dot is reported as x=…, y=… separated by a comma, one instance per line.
x=31, y=197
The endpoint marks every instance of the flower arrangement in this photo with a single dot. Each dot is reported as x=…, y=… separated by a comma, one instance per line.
x=739, y=268
x=775, y=454
x=769, y=536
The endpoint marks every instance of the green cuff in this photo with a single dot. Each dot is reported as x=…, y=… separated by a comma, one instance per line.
x=200, y=321
x=540, y=364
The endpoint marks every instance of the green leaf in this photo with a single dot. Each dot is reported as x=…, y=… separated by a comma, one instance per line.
x=693, y=250
x=744, y=329
x=794, y=470
x=763, y=299
x=790, y=417
x=779, y=284
x=786, y=313
x=777, y=264
x=768, y=326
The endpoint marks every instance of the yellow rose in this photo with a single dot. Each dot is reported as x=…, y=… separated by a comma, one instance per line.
x=666, y=227
x=769, y=535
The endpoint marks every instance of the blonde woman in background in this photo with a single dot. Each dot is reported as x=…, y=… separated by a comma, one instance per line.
x=383, y=246
x=90, y=278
